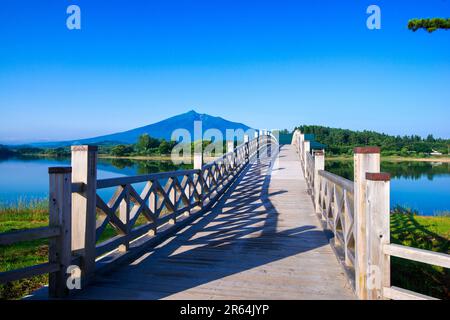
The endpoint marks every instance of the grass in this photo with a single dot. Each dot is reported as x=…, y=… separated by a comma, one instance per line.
x=23, y=215
x=428, y=233
x=28, y=215
x=407, y=228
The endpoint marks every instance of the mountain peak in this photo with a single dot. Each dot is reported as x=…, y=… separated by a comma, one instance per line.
x=193, y=112
x=162, y=129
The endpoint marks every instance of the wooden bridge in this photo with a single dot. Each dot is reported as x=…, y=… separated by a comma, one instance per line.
x=261, y=222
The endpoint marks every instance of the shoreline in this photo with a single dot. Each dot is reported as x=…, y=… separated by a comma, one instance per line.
x=335, y=158
x=394, y=159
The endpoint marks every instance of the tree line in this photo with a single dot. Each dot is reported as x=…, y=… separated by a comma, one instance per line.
x=144, y=146
x=342, y=141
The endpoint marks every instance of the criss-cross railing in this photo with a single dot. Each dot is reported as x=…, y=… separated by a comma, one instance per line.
x=358, y=214
x=336, y=206
x=90, y=233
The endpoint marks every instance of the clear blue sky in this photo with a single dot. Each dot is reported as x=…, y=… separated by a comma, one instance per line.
x=269, y=64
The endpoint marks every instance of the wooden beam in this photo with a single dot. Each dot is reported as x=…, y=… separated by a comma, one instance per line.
x=419, y=255
x=395, y=293
x=28, y=235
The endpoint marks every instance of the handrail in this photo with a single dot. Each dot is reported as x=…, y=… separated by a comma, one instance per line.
x=336, y=204
x=113, y=182
x=419, y=255
x=13, y=237
x=340, y=181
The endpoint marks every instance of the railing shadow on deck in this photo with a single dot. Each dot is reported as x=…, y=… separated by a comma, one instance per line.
x=237, y=227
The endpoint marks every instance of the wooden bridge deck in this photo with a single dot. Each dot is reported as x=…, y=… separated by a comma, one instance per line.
x=261, y=241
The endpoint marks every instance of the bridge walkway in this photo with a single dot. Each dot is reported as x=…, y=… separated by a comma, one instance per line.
x=262, y=240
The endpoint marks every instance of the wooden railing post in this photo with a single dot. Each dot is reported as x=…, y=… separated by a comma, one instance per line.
x=257, y=144
x=198, y=164
x=366, y=159
x=230, y=148
x=198, y=160
x=247, y=151
x=124, y=215
x=60, y=248
x=377, y=234
x=306, y=150
x=319, y=164
x=84, y=170
x=300, y=146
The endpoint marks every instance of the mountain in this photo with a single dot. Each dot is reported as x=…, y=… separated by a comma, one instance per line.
x=161, y=130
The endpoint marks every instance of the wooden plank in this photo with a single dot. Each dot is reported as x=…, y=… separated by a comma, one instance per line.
x=395, y=293
x=28, y=272
x=419, y=255
x=12, y=237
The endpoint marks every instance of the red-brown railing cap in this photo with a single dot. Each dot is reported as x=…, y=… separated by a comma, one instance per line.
x=366, y=150
x=378, y=176
x=319, y=152
x=59, y=169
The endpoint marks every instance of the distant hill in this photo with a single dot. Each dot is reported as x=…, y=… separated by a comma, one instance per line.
x=161, y=130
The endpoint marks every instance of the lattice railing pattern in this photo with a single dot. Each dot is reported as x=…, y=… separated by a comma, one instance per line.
x=167, y=196
x=336, y=201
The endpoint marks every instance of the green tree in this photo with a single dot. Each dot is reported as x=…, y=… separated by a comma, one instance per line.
x=430, y=25
x=121, y=150
x=145, y=143
x=165, y=147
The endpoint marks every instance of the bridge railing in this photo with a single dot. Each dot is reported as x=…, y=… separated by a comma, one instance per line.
x=92, y=235
x=358, y=214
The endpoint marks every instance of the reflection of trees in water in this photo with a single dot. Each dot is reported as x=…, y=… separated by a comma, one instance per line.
x=405, y=170
x=148, y=166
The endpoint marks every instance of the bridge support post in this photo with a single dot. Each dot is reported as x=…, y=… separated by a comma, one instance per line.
x=60, y=248
x=366, y=159
x=84, y=170
x=377, y=234
x=319, y=164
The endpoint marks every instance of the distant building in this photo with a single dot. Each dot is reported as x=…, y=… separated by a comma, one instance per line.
x=435, y=153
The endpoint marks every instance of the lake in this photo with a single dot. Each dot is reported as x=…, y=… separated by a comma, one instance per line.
x=26, y=178
x=423, y=186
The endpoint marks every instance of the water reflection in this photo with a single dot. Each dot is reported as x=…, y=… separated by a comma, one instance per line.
x=422, y=186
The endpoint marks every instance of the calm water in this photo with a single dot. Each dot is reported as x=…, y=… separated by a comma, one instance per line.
x=422, y=186
x=23, y=179
x=418, y=185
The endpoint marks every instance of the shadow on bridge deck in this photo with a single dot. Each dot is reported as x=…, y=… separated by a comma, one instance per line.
x=261, y=241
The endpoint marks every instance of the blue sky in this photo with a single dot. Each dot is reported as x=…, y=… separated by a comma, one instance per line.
x=269, y=64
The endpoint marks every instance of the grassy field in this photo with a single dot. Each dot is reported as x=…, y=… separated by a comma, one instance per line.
x=430, y=233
